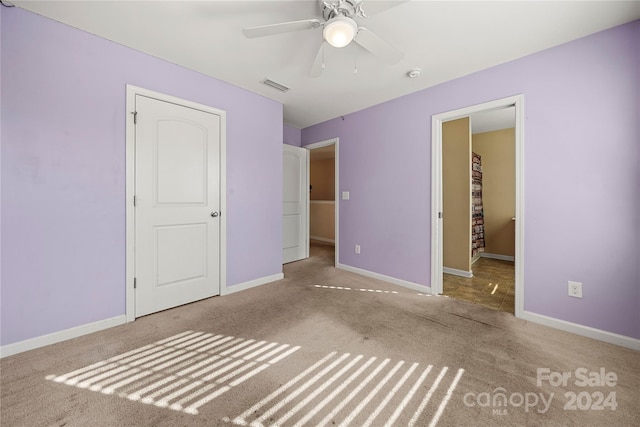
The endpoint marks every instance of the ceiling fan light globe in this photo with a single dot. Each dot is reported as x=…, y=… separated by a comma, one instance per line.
x=340, y=31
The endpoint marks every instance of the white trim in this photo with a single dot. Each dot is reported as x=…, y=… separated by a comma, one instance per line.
x=519, y=213
x=585, y=331
x=322, y=239
x=325, y=143
x=322, y=202
x=436, y=190
x=132, y=91
x=497, y=256
x=388, y=279
x=437, y=287
x=130, y=172
x=456, y=272
x=56, y=337
x=252, y=284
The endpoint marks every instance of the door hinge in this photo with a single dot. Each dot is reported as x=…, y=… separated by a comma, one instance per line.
x=134, y=283
x=134, y=200
x=439, y=214
x=135, y=117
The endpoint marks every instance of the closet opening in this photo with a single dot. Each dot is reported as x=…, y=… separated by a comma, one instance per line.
x=478, y=157
x=478, y=205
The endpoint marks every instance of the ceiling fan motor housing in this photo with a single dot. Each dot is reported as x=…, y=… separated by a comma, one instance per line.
x=349, y=8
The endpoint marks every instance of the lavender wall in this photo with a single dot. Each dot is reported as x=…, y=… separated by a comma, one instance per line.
x=581, y=177
x=63, y=173
x=1, y=109
x=292, y=136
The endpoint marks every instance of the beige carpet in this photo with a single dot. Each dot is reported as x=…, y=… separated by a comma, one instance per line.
x=324, y=347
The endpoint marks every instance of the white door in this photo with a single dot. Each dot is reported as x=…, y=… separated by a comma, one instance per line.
x=177, y=205
x=295, y=193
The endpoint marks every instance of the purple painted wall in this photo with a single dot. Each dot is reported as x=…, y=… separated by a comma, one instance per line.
x=63, y=173
x=292, y=136
x=582, y=177
x=1, y=109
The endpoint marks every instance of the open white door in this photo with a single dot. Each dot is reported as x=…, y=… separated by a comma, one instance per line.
x=177, y=204
x=295, y=194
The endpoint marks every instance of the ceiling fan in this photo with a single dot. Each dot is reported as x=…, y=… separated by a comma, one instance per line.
x=339, y=29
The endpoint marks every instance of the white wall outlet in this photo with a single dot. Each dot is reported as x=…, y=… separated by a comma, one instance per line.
x=345, y=195
x=357, y=249
x=575, y=289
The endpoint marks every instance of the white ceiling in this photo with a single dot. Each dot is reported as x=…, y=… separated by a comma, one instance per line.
x=446, y=39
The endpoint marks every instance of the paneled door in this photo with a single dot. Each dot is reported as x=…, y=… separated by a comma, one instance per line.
x=177, y=205
x=295, y=195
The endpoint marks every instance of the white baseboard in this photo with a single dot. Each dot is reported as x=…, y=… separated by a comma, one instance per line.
x=456, y=272
x=585, y=331
x=252, y=284
x=56, y=337
x=322, y=239
x=497, y=256
x=388, y=279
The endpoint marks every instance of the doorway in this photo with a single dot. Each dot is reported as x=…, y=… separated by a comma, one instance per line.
x=323, y=199
x=479, y=236
x=438, y=211
x=176, y=202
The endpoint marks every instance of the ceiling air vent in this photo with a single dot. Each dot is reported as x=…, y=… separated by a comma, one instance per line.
x=275, y=85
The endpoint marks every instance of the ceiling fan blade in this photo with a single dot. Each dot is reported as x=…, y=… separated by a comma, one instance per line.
x=377, y=46
x=318, y=64
x=371, y=8
x=284, y=27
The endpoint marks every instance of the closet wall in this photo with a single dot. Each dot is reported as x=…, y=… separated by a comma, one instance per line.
x=497, y=149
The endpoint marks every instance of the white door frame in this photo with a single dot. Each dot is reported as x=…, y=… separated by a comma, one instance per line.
x=325, y=143
x=436, y=191
x=130, y=171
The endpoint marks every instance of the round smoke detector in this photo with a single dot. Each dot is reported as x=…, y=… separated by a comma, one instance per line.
x=412, y=74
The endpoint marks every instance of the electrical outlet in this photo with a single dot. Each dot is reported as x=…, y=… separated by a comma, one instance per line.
x=357, y=249
x=575, y=289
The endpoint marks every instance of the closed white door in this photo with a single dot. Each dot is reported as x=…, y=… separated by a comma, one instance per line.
x=295, y=221
x=177, y=205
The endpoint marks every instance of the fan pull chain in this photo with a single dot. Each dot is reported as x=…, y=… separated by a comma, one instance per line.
x=323, y=66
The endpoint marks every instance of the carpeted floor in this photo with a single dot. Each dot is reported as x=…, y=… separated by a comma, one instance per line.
x=324, y=347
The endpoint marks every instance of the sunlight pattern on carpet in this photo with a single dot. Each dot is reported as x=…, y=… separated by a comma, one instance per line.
x=355, y=390
x=182, y=372
x=344, y=288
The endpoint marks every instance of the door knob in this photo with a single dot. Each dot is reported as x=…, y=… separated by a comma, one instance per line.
x=214, y=214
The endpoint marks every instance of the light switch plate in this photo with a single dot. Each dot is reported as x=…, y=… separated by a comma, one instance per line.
x=345, y=195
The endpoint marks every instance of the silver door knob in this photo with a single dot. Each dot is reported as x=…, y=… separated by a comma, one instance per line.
x=214, y=214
